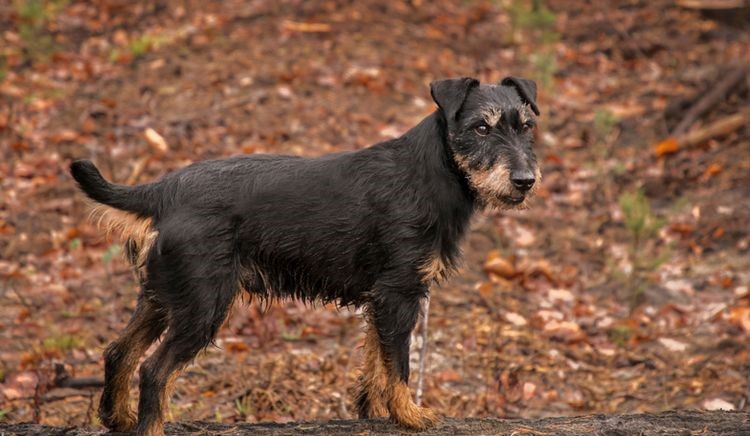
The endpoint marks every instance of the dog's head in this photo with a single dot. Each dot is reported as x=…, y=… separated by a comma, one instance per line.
x=489, y=131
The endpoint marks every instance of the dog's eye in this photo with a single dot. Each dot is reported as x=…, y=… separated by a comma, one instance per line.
x=527, y=126
x=482, y=129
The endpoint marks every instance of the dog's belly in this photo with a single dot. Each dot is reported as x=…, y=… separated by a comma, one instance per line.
x=285, y=275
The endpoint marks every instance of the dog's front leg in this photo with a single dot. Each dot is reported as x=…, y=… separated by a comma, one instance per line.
x=392, y=316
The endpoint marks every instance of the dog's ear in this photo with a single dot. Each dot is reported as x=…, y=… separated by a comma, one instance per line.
x=450, y=94
x=526, y=90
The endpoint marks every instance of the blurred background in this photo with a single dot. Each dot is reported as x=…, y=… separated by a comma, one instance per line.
x=623, y=289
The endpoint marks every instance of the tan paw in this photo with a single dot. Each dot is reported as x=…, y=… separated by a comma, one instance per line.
x=123, y=422
x=416, y=417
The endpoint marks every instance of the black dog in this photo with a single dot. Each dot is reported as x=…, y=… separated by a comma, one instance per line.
x=371, y=228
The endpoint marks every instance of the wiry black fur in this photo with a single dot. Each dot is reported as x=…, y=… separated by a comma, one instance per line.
x=354, y=228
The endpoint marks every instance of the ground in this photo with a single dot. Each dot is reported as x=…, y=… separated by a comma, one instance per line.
x=623, y=289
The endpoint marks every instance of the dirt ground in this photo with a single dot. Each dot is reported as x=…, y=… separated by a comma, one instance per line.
x=625, y=288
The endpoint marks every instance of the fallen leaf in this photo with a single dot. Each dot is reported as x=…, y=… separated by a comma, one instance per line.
x=496, y=264
x=296, y=26
x=448, y=375
x=529, y=389
x=560, y=294
x=740, y=316
x=718, y=404
x=515, y=319
x=565, y=330
x=712, y=170
x=667, y=146
x=155, y=140
x=237, y=346
x=673, y=345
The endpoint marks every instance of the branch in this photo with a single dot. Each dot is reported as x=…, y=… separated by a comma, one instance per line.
x=674, y=422
x=717, y=93
x=423, y=351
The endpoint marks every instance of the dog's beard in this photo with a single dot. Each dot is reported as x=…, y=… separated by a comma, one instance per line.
x=495, y=190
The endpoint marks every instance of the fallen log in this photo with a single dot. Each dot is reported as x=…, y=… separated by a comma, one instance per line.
x=684, y=422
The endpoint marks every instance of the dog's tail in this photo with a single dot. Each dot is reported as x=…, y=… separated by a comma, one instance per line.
x=138, y=199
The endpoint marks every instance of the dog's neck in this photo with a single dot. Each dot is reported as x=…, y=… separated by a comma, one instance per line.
x=429, y=162
x=427, y=143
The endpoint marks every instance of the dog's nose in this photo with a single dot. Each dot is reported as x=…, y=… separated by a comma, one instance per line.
x=522, y=180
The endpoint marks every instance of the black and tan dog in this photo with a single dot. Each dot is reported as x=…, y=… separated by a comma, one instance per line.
x=371, y=228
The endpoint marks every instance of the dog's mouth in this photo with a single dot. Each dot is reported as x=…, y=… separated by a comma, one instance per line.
x=512, y=200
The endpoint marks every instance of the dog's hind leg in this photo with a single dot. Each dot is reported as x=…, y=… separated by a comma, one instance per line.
x=193, y=324
x=120, y=360
x=392, y=315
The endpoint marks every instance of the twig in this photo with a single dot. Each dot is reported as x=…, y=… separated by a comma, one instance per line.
x=423, y=350
x=721, y=127
x=138, y=168
x=718, y=92
x=713, y=4
x=63, y=379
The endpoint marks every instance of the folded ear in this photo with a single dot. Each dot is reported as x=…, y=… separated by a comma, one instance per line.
x=526, y=90
x=450, y=94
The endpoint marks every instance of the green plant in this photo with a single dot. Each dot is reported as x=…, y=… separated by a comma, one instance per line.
x=643, y=227
x=138, y=47
x=545, y=65
x=112, y=251
x=243, y=406
x=61, y=343
x=34, y=16
x=3, y=67
x=4, y=414
x=534, y=16
x=604, y=122
x=534, y=22
x=620, y=335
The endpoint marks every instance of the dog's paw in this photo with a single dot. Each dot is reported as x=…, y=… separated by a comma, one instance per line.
x=416, y=417
x=124, y=423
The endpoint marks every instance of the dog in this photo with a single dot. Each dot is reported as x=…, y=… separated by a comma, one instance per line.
x=371, y=228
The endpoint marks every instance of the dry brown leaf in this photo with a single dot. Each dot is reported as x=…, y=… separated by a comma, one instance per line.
x=515, y=319
x=667, y=146
x=529, y=389
x=448, y=375
x=740, y=316
x=297, y=26
x=712, y=170
x=496, y=264
x=155, y=140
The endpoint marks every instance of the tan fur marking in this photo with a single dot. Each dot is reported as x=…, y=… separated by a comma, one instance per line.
x=386, y=393
x=134, y=341
x=495, y=182
x=374, y=376
x=127, y=226
x=492, y=183
x=434, y=269
x=405, y=412
x=491, y=115
x=523, y=113
x=155, y=429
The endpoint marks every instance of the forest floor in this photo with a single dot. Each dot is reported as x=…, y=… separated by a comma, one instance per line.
x=625, y=288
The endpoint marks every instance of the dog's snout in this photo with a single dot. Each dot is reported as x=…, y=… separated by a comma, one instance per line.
x=522, y=180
